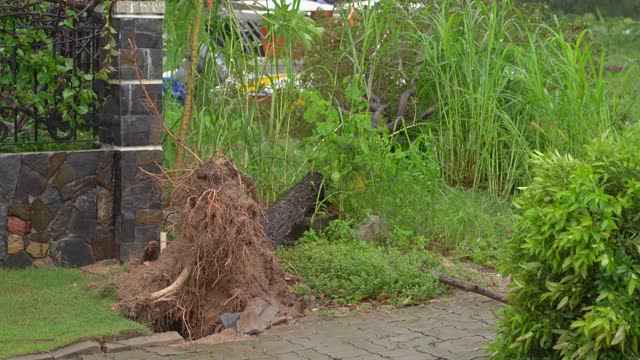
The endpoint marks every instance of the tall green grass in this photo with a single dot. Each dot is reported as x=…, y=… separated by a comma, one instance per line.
x=506, y=85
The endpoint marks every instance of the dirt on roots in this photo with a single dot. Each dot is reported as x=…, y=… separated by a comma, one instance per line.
x=221, y=242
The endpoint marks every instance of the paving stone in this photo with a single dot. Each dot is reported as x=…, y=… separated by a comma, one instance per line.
x=312, y=355
x=278, y=347
x=34, y=357
x=166, y=338
x=74, y=351
x=408, y=334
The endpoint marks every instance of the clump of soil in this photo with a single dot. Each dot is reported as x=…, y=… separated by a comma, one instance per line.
x=222, y=245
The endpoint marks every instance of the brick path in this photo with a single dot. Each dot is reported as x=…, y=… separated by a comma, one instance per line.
x=455, y=328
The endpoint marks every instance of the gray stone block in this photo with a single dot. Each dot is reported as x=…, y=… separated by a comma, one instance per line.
x=125, y=227
x=58, y=227
x=55, y=162
x=42, y=215
x=20, y=260
x=20, y=206
x=132, y=99
x=75, y=350
x=104, y=170
x=146, y=233
x=78, y=187
x=39, y=162
x=104, y=246
x=31, y=182
x=148, y=61
x=10, y=165
x=84, y=217
x=83, y=162
x=161, y=339
x=52, y=199
x=72, y=251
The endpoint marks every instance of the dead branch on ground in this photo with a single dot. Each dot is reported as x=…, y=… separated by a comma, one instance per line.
x=470, y=287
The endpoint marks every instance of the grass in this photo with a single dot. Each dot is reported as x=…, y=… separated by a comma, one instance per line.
x=54, y=305
x=349, y=270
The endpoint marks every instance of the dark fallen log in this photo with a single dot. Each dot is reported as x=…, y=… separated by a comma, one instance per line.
x=467, y=286
x=281, y=219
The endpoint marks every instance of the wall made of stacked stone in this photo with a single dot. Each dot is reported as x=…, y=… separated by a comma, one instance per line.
x=57, y=204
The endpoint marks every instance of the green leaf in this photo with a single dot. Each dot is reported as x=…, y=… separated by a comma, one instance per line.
x=631, y=286
x=562, y=303
x=67, y=93
x=620, y=335
x=82, y=109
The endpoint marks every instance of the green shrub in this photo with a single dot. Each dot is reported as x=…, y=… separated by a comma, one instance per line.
x=576, y=257
x=348, y=270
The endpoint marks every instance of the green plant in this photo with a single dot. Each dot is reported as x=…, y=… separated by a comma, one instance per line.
x=41, y=79
x=349, y=270
x=576, y=256
x=364, y=166
x=507, y=82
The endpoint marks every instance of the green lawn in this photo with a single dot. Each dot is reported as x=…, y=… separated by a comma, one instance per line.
x=46, y=309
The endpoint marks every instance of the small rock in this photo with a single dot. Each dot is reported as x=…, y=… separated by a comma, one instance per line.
x=279, y=320
x=18, y=226
x=257, y=317
x=43, y=263
x=372, y=228
x=15, y=244
x=229, y=320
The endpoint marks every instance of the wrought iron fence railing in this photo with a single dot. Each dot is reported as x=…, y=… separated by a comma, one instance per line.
x=49, y=59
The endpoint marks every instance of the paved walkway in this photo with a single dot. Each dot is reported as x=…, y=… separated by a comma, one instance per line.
x=455, y=328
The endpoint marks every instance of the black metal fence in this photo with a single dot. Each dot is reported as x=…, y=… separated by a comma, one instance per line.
x=49, y=59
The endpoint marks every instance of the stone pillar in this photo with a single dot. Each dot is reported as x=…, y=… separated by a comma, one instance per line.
x=133, y=127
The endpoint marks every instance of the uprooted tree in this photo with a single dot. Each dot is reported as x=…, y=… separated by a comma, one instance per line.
x=220, y=261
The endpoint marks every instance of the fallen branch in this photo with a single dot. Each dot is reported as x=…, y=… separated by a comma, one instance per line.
x=171, y=289
x=470, y=287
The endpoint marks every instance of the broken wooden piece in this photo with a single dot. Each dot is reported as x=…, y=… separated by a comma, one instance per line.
x=282, y=217
x=467, y=286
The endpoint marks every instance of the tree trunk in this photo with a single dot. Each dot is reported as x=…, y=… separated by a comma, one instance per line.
x=282, y=217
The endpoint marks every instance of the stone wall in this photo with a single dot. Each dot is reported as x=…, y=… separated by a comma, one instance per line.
x=84, y=206
x=59, y=204
x=78, y=207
